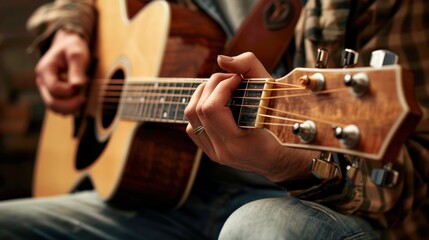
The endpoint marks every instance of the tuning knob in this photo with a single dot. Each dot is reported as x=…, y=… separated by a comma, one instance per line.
x=315, y=82
x=348, y=136
x=306, y=131
x=358, y=83
x=322, y=58
x=385, y=177
x=380, y=58
x=349, y=58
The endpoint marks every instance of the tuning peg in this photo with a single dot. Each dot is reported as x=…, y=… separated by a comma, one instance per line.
x=358, y=83
x=315, y=82
x=348, y=136
x=322, y=58
x=385, y=177
x=306, y=130
x=380, y=58
x=349, y=58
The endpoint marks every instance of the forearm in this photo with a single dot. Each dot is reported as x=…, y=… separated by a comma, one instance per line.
x=293, y=165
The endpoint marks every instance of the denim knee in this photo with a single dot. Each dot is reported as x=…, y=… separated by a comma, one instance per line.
x=291, y=218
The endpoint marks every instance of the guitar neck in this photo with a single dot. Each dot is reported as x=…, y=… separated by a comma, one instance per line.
x=157, y=100
x=331, y=118
x=165, y=99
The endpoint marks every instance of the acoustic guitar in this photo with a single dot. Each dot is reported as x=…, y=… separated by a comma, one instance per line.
x=129, y=138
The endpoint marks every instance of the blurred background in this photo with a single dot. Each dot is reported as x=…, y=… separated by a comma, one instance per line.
x=21, y=109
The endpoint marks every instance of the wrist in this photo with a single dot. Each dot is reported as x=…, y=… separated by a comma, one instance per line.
x=294, y=165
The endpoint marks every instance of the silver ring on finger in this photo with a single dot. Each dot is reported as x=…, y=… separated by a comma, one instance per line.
x=198, y=130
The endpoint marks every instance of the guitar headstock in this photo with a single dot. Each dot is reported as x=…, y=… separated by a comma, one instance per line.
x=366, y=112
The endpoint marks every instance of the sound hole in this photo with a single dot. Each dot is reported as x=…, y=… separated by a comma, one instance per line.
x=111, y=98
x=89, y=147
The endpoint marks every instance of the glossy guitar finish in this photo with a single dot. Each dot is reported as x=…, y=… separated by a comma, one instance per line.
x=131, y=162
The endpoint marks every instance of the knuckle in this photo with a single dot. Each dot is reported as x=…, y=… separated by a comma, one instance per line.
x=75, y=54
x=218, y=77
x=207, y=109
x=189, y=129
x=215, y=76
x=40, y=67
x=249, y=55
x=189, y=112
x=199, y=110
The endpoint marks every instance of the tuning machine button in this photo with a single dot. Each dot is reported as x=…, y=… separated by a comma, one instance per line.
x=358, y=83
x=349, y=58
x=306, y=131
x=348, y=136
x=385, y=177
x=315, y=82
x=322, y=58
x=380, y=58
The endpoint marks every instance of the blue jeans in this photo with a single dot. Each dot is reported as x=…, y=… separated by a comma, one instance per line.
x=291, y=218
x=84, y=216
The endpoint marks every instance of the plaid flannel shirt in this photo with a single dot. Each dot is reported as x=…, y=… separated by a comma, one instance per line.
x=365, y=25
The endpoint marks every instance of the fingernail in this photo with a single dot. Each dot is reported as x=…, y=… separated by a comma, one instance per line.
x=225, y=58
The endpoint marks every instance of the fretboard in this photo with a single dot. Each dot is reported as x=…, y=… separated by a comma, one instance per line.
x=245, y=102
x=165, y=100
x=162, y=101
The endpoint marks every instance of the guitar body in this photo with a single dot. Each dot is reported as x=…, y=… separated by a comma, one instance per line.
x=130, y=162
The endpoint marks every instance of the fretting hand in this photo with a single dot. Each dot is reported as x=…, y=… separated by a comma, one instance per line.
x=254, y=150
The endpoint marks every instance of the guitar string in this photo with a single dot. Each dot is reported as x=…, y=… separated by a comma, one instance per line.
x=291, y=87
x=253, y=106
x=111, y=95
x=136, y=91
x=119, y=85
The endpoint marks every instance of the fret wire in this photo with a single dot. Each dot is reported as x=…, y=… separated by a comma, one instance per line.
x=155, y=105
x=123, y=105
x=241, y=108
x=166, y=108
x=178, y=99
x=171, y=114
x=158, y=112
x=141, y=105
x=146, y=107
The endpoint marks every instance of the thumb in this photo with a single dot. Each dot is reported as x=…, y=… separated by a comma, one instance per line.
x=246, y=64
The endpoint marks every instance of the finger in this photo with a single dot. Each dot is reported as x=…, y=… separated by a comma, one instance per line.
x=202, y=140
x=77, y=60
x=209, y=87
x=49, y=74
x=57, y=86
x=216, y=114
x=214, y=80
x=245, y=64
x=190, y=110
x=63, y=106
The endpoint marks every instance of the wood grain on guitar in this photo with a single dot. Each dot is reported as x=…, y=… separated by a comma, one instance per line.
x=130, y=162
x=131, y=140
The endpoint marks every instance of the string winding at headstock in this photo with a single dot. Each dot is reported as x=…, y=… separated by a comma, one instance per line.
x=366, y=112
